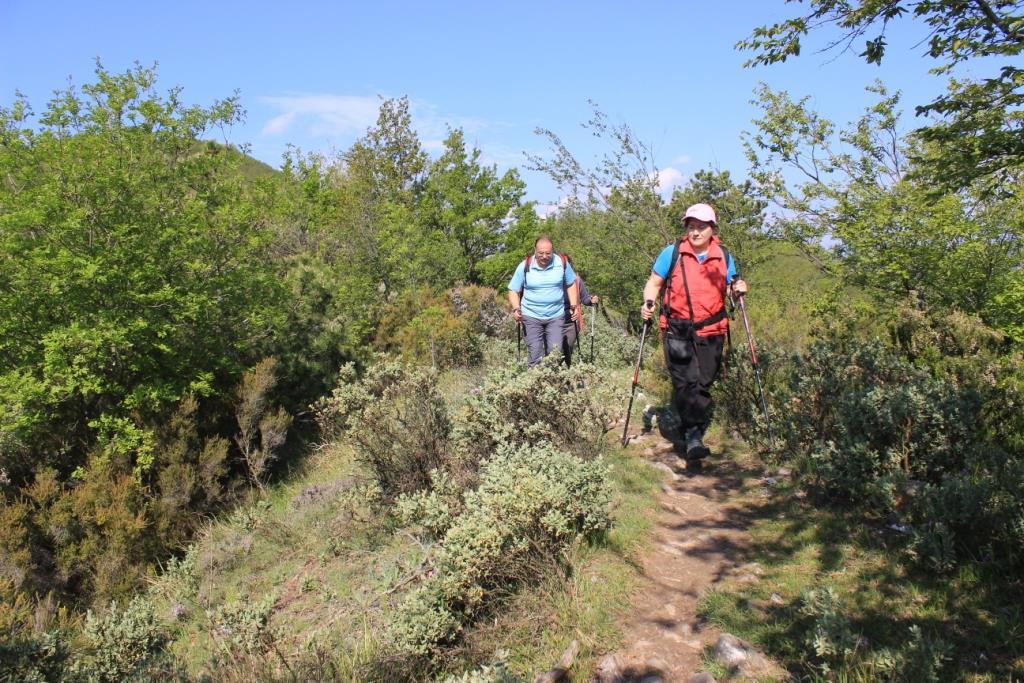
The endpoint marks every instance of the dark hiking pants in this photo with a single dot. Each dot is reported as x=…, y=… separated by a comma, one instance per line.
x=542, y=337
x=569, y=334
x=691, y=380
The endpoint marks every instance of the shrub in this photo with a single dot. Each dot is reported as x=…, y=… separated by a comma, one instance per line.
x=426, y=329
x=246, y=643
x=121, y=645
x=569, y=407
x=242, y=627
x=835, y=647
x=397, y=421
x=261, y=433
x=531, y=501
x=33, y=647
x=924, y=423
x=830, y=635
x=483, y=308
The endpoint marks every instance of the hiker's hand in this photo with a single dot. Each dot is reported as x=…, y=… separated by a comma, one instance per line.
x=594, y=300
x=739, y=288
x=517, y=314
x=576, y=312
x=647, y=310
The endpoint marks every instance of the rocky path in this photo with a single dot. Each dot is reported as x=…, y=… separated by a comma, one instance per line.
x=699, y=536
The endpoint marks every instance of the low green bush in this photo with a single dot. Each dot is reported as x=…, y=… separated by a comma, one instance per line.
x=923, y=424
x=569, y=407
x=532, y=501
x=396, y=419
x=834, y=646
x=125, y=644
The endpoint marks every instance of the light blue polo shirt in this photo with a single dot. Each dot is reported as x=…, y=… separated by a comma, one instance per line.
x=543, y=297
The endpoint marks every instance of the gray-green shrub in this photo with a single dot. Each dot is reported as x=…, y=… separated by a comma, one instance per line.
x=569, y=407
x=396, y=419
x=923, y=423
x=122, y=645
x=531, y=501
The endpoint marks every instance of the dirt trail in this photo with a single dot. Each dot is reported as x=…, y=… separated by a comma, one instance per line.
x=699, y=535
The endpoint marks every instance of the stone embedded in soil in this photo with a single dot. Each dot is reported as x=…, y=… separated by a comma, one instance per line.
x=702, y=677
x=608, y=669
x=666, y=469
x=732, y=652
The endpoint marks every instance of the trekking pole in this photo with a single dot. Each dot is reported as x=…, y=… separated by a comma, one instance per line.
x=636, y=377
x=757, y=367
x=519, y=342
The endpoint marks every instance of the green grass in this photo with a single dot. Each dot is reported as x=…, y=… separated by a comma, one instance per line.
x=336, y=572
x=976, y=613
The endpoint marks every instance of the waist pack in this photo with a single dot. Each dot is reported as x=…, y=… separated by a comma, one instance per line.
x=679, y=340
x=681, y=335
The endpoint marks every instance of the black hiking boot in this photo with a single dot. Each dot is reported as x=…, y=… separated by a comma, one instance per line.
x=695, y=448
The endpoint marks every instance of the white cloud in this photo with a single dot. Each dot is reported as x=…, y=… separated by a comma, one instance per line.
x=324, y=115
x=339, y=119
x=668, y=179
x=278, y=124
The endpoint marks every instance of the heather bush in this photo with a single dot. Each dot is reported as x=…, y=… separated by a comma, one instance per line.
x=397, y=421
x=484, y=308
x=261, y=432
x=33, y=642
x=531, y=501
x=569, y=407
x=430, y=329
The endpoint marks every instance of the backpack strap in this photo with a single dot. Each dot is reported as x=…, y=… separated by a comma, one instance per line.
x=526, y=269
x=666, y=287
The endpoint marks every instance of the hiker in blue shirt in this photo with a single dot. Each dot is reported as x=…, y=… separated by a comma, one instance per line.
x=536, y=293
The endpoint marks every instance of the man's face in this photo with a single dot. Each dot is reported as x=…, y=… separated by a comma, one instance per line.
x=542, y=253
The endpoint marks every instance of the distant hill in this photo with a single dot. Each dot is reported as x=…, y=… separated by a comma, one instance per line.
x=252, y=168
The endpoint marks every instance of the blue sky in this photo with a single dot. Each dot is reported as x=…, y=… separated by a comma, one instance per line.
x=311, y=73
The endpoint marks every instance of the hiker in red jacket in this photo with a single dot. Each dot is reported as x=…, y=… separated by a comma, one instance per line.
x=692, y=279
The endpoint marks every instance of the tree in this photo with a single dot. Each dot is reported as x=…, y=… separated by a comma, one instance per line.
x=611, y=217
x=134, y=263
x=854, y=189
x=981, y=122
x=468, y=204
